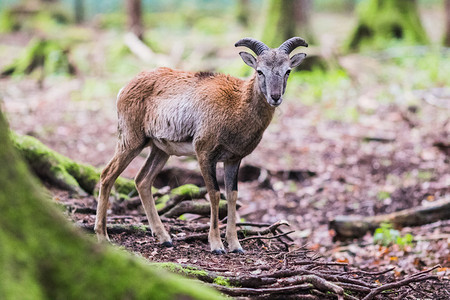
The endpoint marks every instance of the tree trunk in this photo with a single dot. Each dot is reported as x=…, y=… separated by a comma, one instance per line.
x=302, y=17
x=381, y=22
x=134, y=12
x=243, y=12
x=44, y=257
x=447, y=24
x=79, y=11
x=285, y=19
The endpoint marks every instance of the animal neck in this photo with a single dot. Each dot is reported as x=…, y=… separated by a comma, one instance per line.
x=257, y=103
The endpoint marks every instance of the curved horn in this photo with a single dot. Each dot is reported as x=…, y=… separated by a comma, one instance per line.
x=291, y=44
x=254, y=45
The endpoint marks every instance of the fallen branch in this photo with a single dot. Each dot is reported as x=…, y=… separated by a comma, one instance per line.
x=202, y=208
x=175, y=199
x=271, y=229
x=319, y=283
x=242, y=232
x=398, y=284
x=118, y=229
x=357, y=226
x=166, y=200
x=266, y=237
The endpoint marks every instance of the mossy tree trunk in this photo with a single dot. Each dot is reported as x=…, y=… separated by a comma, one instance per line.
x=285, y=19
x=382, y=22
x=43, y=257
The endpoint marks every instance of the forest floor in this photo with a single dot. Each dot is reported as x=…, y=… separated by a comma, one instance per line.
x=308, y=169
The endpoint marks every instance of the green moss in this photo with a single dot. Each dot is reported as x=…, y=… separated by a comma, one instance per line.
x=186, y=270
x=186, y=189
x=139, y=227
x=220, y=280
x=193, y=272
x=61, y=170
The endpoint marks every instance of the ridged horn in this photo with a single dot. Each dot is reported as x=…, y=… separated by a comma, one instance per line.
x=254, y=45
x=291, y=44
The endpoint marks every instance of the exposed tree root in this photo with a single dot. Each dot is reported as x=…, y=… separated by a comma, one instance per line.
x=60, y=171
x=303, y=283
x=303, y=274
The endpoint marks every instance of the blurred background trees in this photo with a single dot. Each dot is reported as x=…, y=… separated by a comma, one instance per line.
x=134, y=18
x=447, y=23
x=284, y=19
x=368, y=24
x=381, y=22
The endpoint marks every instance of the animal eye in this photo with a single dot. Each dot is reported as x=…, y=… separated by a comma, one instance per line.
x=259, y=72
x=288, y=72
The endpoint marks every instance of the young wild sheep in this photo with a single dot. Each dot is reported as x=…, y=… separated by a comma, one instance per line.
x=216, y=117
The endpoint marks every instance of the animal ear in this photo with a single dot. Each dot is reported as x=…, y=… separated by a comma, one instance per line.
x=248, y=59
x=297, y=59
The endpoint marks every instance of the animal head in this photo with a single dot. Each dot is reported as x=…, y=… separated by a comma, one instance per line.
x=272, y=65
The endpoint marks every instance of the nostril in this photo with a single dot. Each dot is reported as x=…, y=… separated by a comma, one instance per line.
x=276, y=97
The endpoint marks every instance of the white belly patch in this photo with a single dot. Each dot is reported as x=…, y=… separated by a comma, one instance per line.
x=175, y=148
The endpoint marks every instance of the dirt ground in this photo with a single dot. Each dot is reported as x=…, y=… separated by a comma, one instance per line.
x=308, y=169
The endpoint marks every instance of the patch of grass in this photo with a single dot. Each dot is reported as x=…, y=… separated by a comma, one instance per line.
x=386, y=235
x=383, y=195
x=425, y=175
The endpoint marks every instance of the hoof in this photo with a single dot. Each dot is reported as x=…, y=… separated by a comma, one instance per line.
x=167, y=244
x=218, y=251
x=238, y=251
x=103, y=238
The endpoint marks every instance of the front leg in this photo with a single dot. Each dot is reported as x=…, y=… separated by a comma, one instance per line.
x=208, y=168
x=231, y=178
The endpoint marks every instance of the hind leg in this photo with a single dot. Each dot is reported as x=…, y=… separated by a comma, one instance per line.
x=208, y=162
x=115, y=167
x=144, y=181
